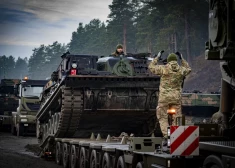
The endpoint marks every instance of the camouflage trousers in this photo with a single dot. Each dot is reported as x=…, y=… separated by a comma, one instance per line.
x=161, y=112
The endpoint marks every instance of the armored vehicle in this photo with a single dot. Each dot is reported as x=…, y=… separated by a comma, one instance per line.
x=8, y=102
x=24, y=118
x=84, y=96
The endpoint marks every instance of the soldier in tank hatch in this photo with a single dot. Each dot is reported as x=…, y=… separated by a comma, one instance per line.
x=172, y=76
x=119, y=51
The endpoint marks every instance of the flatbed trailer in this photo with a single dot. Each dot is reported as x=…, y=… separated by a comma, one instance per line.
x=136, y=152
x=219, y=153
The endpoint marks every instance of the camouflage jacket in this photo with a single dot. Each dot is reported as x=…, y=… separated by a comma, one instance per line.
x=171, y=80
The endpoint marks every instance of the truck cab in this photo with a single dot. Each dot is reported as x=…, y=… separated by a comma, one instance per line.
x=28, y=92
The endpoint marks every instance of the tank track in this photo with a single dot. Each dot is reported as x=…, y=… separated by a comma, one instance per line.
x=64, y=124
x=71, y=112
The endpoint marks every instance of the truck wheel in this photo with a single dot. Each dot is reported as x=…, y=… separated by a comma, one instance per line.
x=212, y=161
x=82, y=158
x=106, y=161
x=140, y=165
x=65, y=155
x=121, y=162
x=93, y=160
x=20, y=130
x=13, y=130
x=58, y=153
x=73, y=157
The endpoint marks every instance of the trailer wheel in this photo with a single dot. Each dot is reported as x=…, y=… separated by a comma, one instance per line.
x=121, y=162
x=65, y=155
x=52, y=124
x=49, y=127
x=20, y=130
x=73, y=157
x=93, y=160
x=46, y=131
x=82, y=158
x=106, y=161
x=212, y=161
x=38, y=129
x=140, y=165
x=58, y=153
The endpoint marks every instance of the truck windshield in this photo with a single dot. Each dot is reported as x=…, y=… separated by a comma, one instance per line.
x=31, y=91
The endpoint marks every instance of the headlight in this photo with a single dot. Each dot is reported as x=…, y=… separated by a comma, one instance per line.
x=74, y=65
x=23, y=120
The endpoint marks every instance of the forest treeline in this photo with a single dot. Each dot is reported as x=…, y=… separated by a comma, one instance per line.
x=140, y=25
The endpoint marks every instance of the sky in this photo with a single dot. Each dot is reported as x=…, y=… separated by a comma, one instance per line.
x=26, y=24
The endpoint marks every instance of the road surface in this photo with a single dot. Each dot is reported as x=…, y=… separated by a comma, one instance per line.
x=21, y=153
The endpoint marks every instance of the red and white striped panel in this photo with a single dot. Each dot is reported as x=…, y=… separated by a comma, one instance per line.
x=184, y=140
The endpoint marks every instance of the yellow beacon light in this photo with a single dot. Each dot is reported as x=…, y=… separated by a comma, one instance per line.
x=171, y=111
x=26, y=78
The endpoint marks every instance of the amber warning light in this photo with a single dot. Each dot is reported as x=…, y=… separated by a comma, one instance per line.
x=73, y=72
x=171, y=111
x=25, y=78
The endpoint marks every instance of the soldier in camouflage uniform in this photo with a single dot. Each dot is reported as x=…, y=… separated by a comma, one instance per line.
x=170, y=89
x=119, y=51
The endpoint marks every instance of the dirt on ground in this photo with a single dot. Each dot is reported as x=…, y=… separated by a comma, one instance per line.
x=21, y=152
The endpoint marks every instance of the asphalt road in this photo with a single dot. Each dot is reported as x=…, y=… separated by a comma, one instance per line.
x=21, y=153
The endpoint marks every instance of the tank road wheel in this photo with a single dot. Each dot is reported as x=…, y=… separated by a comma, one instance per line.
x=82, y=158
x=93, y=159
x=58, y=153
x=73, y=157
x=140, y=165
x=20, y=129
x=106, y=161
x=120, y=162
x=65, y=155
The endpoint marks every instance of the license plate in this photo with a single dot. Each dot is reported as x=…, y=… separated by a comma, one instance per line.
x=26, y=125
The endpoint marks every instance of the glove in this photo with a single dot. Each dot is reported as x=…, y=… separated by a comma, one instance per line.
x=159, y=55
x=179, y=55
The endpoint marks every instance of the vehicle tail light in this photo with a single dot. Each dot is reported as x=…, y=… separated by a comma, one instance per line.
x=73, y=72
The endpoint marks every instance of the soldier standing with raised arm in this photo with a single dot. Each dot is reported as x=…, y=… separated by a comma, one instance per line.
x=172, y=76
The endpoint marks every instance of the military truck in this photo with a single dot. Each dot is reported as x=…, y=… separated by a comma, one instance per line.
x=23, y=119
x=8, y=102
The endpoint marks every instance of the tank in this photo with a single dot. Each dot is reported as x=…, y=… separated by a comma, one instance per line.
x=199, y=107
x=89, y=95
